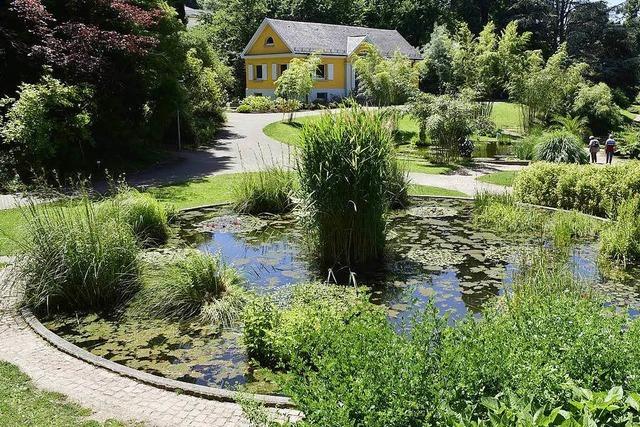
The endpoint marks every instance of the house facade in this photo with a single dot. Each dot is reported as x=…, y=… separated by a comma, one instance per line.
x=276, y=42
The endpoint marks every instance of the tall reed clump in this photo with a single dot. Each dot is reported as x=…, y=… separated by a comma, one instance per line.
x=76, y=260
x=148, y=218
x=188, y=285
x=344, y=165
x=268, y=191
x=620, y=241
x=398, y=186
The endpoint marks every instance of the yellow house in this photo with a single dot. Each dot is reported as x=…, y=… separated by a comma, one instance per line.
x=276, y=42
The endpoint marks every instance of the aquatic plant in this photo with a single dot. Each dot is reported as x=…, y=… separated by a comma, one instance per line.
x=274, y=334
x=397, y=186
x=345, y=163
x=148, y=218
x=502, y=214
x=268, y=191
x=567, y=227
x=620, y=240
x=75, y=259
x=190, y=284
x=560, y=147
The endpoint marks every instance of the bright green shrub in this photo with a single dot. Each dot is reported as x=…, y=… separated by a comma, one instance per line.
x=589, y=189
x=49, y=127
x=267, y=191
x=621, y=239
x=77, y=260
x=628, y=144
x=597, y=105
x=256, y=104
x=344, y=164
x=547, y=332
x=275, y=336
x=148, y=218
x=560, y=147
x=190, y=284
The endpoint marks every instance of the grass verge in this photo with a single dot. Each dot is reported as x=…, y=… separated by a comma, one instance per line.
x=504, y=178
x=22, y=404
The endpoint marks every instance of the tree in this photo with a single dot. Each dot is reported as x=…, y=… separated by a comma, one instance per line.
x=597, y=105
x=547, y=89
x=385, y=81
x=296, y=81
x=437, y=69
x=49, y=126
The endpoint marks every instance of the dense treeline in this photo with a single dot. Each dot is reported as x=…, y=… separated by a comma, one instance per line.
x=87, y=84
x=606, y=38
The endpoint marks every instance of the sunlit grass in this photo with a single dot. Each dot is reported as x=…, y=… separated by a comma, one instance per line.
x=504, y=178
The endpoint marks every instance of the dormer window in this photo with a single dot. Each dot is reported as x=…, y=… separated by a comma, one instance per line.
x=269, y=41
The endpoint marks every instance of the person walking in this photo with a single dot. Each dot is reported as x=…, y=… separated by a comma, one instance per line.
x=610, y=146
x=594, y=147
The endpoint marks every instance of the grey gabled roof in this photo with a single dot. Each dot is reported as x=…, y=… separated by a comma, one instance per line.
x=307, y=37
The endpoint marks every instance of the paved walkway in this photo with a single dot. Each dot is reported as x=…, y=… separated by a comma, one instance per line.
x=106, y=393
x=465, y=179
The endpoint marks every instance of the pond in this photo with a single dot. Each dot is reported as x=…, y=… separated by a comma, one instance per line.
x=435, y=253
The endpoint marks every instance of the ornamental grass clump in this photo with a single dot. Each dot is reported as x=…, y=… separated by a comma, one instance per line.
x=560, y=147
x=344, y=165
x=147, y=217
x=190, y=284
x=268, y=191
x=76, y=260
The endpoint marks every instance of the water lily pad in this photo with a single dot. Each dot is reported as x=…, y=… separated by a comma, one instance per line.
x=432, y=212
x=434, y=257
x=232, y=224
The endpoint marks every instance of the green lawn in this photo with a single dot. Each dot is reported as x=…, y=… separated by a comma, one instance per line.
x=199, y=192
x=504, y=178
x=22, y=404
x=427, y=190
x=506, y=115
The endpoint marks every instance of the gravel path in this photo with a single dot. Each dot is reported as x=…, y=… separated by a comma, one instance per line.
x=106, y=393
x=465, y=179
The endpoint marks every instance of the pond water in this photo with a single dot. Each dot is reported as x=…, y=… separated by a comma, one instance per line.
x=435, y=253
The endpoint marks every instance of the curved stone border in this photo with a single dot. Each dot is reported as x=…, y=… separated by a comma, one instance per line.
x=144, y=377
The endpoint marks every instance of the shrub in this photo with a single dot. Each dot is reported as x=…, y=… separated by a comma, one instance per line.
x=276, y=336
x=344, y=164
x=76, y=260
x=597, y=105
x=621, y=240
x=49, y=127
x=267, y=191
x=546, y=332
x=190, y=284
x=629, y=143
x=256, y=104
x=589, y=189
x=282, y=105
x=560, y=147
x=147, y=217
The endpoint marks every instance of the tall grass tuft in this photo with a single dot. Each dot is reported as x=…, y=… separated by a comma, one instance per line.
x=74, y=259
x=268, y=191
x=398, y=186
x=344, y=165
x=147, y=217
x=620, y=241
x=191, y=284
x=560, y=147
x=502, y=213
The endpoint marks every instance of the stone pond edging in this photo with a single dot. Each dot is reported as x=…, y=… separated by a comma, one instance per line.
x=206, y=392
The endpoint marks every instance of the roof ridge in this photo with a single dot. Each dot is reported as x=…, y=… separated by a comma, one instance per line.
x=331, y=25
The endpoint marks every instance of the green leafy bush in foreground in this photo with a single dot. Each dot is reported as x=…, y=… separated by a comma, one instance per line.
x=190, y=284
x=344, y=164
x=547, y=332
x=560, y=147
x=589, y=189
x=74, y=259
